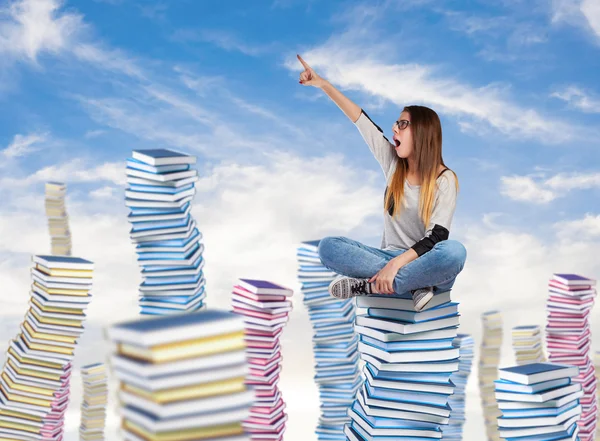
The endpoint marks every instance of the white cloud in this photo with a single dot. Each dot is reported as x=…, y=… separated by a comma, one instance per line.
x=23, y=145
x=31, y=27
x=580, y=13
x=541, y=191
x=224, y=39
x=586, y=228
x=579, y=99
x=76, y=170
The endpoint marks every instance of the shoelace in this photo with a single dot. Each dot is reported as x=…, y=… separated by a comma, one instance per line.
x=359, y=287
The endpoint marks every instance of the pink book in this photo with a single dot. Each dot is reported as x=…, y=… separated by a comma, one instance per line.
x=261, y=344
x=263, y=333
x=264, y=315
x=265, y=361
x=267, y=410
x=256, y=297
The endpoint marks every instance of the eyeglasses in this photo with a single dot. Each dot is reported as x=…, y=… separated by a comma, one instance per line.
x=402, y=124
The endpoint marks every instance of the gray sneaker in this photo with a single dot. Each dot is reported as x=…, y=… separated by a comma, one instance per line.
x=343, y=287
x=421, y=297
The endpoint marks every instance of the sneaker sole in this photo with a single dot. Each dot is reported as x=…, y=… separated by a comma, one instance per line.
x=424, y=301
x=335, y=286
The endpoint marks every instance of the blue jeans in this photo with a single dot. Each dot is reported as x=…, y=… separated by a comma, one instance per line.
x=436, y=268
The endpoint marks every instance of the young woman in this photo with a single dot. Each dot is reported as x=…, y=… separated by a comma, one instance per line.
x=416, y=255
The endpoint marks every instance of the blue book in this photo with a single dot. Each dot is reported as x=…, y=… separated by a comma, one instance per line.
x=573, y=279
x=141, y=211
x=148, y=257
x=435, y=313
x=148, y=270
x=176, y=243
x=399, y=346
x=157, y=157
x=537, y=372
x=159, y=225
x=509, y=386
x=158, y=189
x=264, y=287
x=63, y=262
x=424, y=377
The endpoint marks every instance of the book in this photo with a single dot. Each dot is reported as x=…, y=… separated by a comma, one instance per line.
x=156, y=331
x=264, y=287
x=161, y=157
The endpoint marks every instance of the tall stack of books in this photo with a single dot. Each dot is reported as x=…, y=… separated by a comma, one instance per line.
x=409, y=359
x=568, y=338
x=489, y=359
x=597, y=373
x=182, y=376
x=58, y=220
x=453, y=431
x=93, y=406
x=34, y=383
x=265, y=307
x=527, y=344
x=334, y=342
x=168, y=244
x=539, y=401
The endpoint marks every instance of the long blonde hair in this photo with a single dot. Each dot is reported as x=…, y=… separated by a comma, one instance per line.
x=427, y=148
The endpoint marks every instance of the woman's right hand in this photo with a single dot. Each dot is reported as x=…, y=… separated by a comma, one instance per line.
x=309, y=77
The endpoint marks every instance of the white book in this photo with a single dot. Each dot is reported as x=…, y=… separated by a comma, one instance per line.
x=407, y=328
x=539, y=397
x=449, y=366
x=387, y=336
x=409, y=356
x=171, y=184
x=151, y=371
x=176, y=327
x=404, y=304
x=539, y=421
x=188, y=421
x=539, y=430
x=174, y=176
x=165, y=197
x=196, y=406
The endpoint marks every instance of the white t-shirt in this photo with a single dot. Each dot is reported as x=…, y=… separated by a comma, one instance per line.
x=407, y=229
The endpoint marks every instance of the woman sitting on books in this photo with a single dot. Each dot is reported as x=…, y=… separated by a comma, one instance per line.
x=416, y=255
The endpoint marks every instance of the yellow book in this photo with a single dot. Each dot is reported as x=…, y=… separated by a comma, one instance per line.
x=51, y=337
x=50, y=348
x=56, y=310
x=62, y=272
x=17, y=426
x=23, y=388
x=194, y=391
x=26, y=360
x=26, y=400
x=66, y=292
x=185, y=349
x=20, y=415
x=55, y=321
x=195, y=434
x=33, y=373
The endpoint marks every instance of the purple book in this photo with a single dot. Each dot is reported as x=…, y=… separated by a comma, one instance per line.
x=264, y=287
x=573, y=279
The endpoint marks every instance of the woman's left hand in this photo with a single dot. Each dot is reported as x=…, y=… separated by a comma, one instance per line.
x=384, y=279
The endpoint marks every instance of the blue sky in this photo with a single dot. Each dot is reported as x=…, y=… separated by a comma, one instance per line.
x=514, y=82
